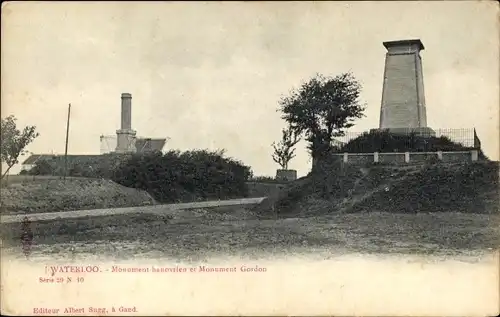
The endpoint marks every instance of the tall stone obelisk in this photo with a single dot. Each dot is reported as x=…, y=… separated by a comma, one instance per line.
x=403, y=100
x=126, y=136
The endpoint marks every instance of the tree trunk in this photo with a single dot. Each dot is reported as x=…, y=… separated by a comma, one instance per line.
x=6, y=171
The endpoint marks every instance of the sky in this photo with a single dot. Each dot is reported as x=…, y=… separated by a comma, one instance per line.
x=210, y=75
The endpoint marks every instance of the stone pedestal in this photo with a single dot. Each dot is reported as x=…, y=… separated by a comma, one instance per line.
x=286, y=175
x=125, y=141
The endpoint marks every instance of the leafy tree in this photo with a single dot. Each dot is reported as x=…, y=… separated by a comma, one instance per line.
x=284, y=151
x=322, y=108
x=42, y=167
x=14, y=141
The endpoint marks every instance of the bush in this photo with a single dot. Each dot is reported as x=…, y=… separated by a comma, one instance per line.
x=42, y=167
x=187, y=176
x=90, y=166
x=384, y=141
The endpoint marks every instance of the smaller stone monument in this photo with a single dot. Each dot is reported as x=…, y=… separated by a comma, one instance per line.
x=286, y=175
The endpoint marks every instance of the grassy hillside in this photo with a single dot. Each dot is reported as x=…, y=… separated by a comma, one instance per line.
x=458, y=187
x=48, y=195
x=27, y=194
x=467, y=188
x=23, y=179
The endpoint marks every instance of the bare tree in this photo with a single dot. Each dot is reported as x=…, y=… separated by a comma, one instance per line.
x=284, y=150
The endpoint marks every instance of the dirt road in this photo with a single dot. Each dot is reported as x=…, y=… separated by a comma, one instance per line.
x=159, y=209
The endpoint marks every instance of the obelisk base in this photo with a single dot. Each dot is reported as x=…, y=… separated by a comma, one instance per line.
x=125, y=141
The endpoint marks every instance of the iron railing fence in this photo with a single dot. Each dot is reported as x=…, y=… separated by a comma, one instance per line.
x=388, y=141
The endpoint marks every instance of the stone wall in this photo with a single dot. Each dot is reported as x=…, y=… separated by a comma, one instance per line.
x=396, y=158
x=360, y=158
x=457, y=157
x=407, y=157
x=423, y=157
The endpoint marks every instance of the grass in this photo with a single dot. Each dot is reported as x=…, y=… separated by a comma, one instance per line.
x=441, y=187
x=38, y=194
x=20, y=179
x=52, y=195
x=422, y=218
x=338, y=188
x=230, y=230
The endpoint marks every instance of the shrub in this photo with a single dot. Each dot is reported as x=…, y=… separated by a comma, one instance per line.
x=42, y=167
x=91, y=166
x=187, y=176
x=384, y=141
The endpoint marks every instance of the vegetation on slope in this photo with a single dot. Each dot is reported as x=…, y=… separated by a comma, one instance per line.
x=334, y=187
x=59, y=195
x=188, y=176
x=92, y=166
x=168, y=177
x=468, y=188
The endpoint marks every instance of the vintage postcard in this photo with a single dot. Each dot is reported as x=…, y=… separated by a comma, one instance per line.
x=250, y=158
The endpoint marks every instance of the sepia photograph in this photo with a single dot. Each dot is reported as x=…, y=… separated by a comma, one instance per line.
x=250, y=158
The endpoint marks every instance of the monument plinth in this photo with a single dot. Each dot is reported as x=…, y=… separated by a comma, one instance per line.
x=126, y=137
x=403, y=101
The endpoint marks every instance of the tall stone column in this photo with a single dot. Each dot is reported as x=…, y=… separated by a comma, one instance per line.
x=403, y=100
x=126, y=123
x=126, y=137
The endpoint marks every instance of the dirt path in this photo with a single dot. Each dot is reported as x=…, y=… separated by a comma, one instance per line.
x=159, y=209
x=201, y=234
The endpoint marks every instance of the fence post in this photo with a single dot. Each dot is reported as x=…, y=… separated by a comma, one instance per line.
x=473, y=155
x=375, y=157
x=440, y=155
x=407, y=157
x=346, y=157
